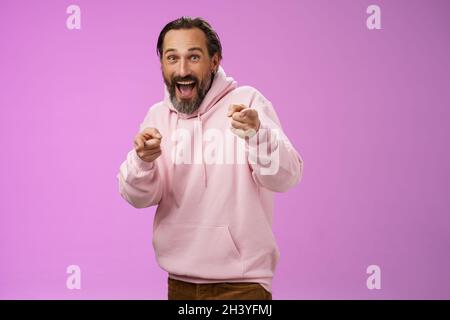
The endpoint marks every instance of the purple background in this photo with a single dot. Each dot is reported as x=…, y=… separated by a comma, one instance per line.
x=368, y=110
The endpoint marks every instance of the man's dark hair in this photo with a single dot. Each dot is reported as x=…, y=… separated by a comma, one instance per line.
x=212, y=39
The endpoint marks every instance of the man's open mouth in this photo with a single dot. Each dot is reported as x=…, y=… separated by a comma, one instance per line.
x=185, y=88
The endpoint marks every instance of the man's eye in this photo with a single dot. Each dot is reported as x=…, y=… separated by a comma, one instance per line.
x=171, y=58
x=195, y=58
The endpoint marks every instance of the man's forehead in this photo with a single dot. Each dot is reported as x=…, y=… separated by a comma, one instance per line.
x=184, y=39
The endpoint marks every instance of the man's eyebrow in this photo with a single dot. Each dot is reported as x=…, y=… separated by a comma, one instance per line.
x=190, y=49
x=196, y=48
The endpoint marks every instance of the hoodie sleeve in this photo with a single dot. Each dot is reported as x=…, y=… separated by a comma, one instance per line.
x=140, y=183
x=274, y=162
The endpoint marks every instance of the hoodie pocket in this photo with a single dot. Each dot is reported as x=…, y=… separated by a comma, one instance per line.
x=197, y=251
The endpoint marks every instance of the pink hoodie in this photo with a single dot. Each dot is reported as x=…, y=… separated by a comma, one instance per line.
x=214, y=218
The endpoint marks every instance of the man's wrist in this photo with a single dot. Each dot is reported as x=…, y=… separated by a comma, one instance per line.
x=142, y=164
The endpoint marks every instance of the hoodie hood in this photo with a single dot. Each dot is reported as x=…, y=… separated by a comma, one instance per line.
x=221, y=86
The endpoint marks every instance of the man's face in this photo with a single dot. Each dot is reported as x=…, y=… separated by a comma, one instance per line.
x=187, y=68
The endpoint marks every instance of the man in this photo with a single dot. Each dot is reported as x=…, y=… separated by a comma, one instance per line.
x=212, y=229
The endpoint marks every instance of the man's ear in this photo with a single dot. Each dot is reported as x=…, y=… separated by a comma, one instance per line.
x=215, y=62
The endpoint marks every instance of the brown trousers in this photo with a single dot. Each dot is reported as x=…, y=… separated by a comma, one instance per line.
x=181, y=290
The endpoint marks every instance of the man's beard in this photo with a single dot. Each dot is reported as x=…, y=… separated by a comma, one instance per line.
x=189, y=106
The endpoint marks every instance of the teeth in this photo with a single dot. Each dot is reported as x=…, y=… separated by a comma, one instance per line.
x=185, y=83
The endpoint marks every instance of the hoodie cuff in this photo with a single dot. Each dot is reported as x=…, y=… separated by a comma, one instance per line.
x=141, y=164
x=265, y=139
x=264, y=135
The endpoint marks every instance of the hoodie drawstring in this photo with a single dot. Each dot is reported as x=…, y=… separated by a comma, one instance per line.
x=174, y=160
x=205, y=180
x=221, y=85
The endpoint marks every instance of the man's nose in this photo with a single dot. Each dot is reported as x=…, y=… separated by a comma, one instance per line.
x=183, y=68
